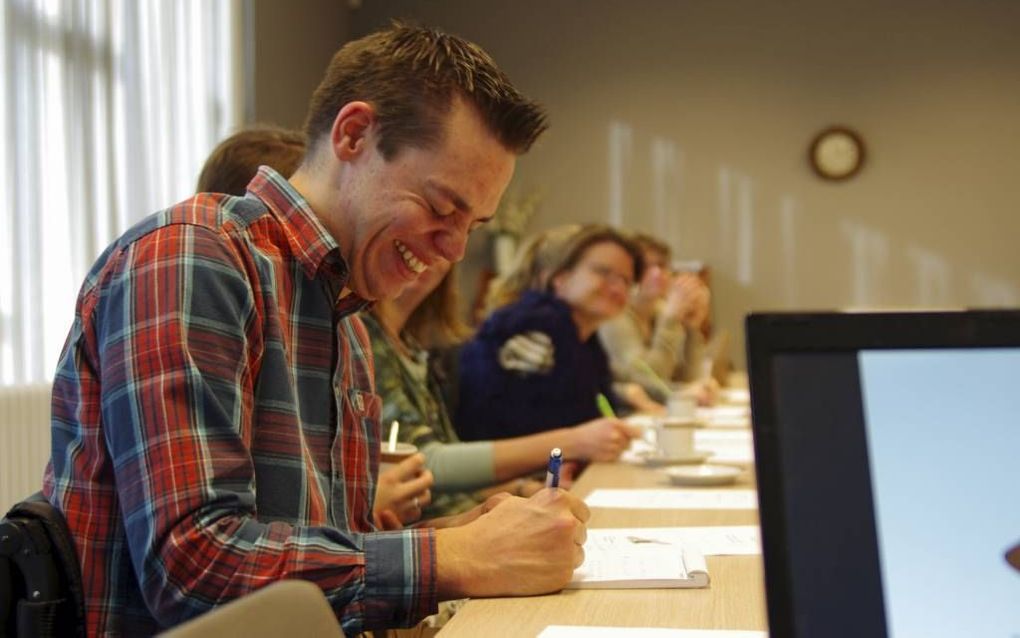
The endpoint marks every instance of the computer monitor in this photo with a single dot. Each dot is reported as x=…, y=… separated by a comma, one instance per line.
x=887, y=452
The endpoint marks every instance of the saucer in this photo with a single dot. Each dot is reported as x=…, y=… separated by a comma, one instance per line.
x=679, y=422
x=703, y=474
x=696, y=456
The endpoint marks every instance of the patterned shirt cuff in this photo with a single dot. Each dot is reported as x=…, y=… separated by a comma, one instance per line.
x=400, y=577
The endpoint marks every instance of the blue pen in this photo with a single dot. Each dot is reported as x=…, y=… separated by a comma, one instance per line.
x=552, y=474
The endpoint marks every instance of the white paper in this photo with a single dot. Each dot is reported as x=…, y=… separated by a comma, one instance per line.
x=575, y=631
x=736, y=395
x=725, y=416
x=720, y=436
x=675, y=498
x=629, y=560
x=726, y=446
x=721, y=540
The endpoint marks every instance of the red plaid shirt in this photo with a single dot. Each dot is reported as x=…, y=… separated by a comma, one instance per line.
x=215, y=425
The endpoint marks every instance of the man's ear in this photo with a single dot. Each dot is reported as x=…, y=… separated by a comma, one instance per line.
x=352, y=130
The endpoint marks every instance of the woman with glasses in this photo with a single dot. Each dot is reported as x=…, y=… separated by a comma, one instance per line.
x=537, y=363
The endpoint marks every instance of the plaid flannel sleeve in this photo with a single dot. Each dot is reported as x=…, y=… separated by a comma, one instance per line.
x=179, y=349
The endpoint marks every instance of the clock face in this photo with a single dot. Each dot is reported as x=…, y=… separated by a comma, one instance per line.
x=837, y=153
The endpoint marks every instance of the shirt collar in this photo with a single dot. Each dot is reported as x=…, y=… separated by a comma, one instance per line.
x=315, y=248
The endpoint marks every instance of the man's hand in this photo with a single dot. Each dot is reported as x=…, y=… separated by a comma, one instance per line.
x=600, y=440
x=456, y=520
x=519, y=547
x=401, y=493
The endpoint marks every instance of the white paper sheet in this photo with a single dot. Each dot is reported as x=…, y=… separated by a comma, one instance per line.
x=721, y=540
x=574, y=631
x=616, y=559
x=725, y=416
x=735, y=395
x=726, y=446
x=675, y=498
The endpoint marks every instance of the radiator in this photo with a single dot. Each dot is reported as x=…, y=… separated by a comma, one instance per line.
x=24, y=441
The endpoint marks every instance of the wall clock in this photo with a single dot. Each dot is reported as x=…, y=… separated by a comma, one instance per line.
x=836, y=153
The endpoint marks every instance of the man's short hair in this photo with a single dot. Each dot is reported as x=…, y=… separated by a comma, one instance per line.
x=411, y=75
x=235, y=160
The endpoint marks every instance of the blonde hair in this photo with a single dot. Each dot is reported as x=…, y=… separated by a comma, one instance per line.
x=526, y=273
x=550, y=253
x=436, y=322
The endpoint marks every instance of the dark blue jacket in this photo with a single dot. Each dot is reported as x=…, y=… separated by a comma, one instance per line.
x=497, y=403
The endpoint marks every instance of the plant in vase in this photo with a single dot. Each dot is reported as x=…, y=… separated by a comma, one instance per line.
x=507, y=228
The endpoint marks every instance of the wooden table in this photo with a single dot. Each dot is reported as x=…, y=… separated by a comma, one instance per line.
x=735, y=599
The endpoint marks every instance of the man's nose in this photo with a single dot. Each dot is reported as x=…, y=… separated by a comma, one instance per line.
x=451, y=243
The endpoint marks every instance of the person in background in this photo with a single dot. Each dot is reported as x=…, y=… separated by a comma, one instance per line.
x=402, y=491
x=533, y=351
x=426, y=316
x=235, y=161
x=568, y=283
x=214, y=422
x=657, y=338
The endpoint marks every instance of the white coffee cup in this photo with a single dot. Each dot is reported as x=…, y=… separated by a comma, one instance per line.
x=674, y=437
x=681, y=406
x=389, y=458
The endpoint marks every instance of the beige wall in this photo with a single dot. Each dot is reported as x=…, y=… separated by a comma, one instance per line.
x=293, y=43
x=694, y=118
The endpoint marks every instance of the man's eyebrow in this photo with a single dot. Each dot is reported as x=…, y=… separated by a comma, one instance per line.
x=451, y=195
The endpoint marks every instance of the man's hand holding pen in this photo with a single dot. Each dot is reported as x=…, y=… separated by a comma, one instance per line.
x=533, y=546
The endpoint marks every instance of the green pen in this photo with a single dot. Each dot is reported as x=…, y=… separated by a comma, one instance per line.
x=654, y=376
x=605, y=407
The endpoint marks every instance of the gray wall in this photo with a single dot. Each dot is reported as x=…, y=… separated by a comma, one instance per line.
x=691, y=119
x=292, y=44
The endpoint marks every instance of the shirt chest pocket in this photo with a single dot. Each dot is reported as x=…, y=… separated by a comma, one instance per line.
x=355, y=454
x=361, y=411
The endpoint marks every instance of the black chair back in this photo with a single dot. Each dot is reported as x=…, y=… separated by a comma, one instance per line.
x=40, y=578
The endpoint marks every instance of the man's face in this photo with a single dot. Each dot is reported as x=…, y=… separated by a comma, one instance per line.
x=401, y=217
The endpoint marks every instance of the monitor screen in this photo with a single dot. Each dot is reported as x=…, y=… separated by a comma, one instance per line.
x=887, y=456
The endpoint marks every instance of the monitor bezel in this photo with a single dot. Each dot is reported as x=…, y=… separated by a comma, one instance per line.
x=770, y=334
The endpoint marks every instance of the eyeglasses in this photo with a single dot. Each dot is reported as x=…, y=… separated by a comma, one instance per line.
x=608, y=274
